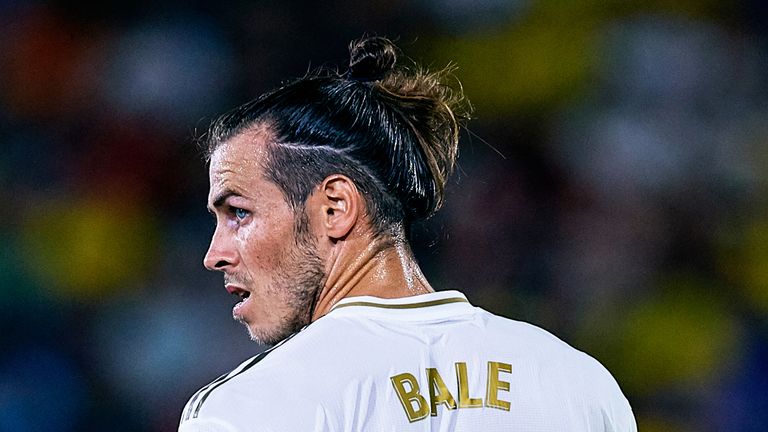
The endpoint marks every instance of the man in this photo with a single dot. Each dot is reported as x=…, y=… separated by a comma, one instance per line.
x=313, y=187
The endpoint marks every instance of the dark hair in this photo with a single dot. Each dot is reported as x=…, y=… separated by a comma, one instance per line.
x=394, y=131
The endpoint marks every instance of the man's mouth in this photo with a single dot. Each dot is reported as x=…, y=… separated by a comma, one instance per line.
x=238, y=292
x=242, y=296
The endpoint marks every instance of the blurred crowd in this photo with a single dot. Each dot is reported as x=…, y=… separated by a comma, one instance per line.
x=611, y=189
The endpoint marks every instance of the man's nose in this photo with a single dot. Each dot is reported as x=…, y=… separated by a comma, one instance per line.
x=221, y=253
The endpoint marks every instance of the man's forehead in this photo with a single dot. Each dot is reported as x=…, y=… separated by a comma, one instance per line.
x=238, y=161
x=248, y=146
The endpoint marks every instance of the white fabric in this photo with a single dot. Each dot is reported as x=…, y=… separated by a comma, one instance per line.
x=337, y=375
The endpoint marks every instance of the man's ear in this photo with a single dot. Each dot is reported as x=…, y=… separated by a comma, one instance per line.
x=338, y=202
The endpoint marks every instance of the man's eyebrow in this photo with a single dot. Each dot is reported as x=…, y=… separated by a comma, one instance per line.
x=219, y=200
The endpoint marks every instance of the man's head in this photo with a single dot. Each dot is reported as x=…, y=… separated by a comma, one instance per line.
x=378, y=140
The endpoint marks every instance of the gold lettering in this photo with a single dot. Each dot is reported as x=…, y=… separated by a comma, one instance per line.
x=464, y=400
x=414, y=403
x=438, y=392
x=495, y=384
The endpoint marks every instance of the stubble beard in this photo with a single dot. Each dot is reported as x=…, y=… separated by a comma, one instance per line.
x=299, y=277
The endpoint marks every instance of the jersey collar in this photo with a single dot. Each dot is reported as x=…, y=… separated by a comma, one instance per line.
x=422, y=306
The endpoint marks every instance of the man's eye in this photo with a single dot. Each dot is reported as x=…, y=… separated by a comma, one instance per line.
x=240, y=213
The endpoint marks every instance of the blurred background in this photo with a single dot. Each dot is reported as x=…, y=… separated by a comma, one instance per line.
x=612, y=189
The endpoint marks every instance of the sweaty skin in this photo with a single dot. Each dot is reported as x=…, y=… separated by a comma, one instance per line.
x=363, y=265
x=292, y=279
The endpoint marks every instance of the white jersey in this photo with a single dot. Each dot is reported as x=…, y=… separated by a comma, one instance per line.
x=431, y=362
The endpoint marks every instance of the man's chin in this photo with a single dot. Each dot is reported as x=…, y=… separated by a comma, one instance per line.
x=265, y=336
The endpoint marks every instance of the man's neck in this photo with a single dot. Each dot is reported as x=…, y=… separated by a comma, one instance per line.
x=366, y=265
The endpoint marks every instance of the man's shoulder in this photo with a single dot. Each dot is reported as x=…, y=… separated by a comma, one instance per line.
x=525, y=335
x=258, y=387
x=547, y=348
x=222, y=396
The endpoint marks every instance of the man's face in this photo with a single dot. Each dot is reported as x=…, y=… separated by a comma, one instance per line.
x=270, y=264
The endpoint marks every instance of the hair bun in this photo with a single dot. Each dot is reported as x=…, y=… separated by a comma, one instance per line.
x=370, y=59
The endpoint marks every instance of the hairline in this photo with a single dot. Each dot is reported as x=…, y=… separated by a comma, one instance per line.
x=265, y=127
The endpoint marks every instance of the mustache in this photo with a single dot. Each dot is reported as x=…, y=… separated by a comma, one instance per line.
x=235, y=279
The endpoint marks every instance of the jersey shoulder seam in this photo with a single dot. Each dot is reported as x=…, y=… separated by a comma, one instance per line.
x=199, y=398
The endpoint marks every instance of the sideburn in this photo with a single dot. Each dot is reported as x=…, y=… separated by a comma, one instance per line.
x=314, y=274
